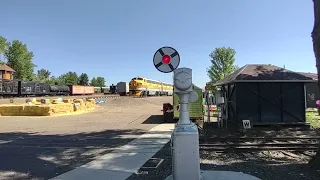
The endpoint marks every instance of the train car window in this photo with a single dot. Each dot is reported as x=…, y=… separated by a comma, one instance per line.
x=140, y=79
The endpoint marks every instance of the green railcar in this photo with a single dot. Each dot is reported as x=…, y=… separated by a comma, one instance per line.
x=195, y=109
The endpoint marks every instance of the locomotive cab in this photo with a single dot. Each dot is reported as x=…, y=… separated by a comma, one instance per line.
x=136, y=86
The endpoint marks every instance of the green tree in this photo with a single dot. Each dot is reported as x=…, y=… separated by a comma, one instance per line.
x=43, y=75
x=70, y=78
x=4, y=44
x=222, y=60
x=20, y=59
x=94, y=82
x=84, y=79
x=98, y=82
x=52, y=80
x=101, y=82
x=34, y=77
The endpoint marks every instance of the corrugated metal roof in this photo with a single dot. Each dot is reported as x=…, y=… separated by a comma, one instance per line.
x=263, y=73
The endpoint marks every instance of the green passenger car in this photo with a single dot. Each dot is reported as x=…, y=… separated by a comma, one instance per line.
x=195, y=109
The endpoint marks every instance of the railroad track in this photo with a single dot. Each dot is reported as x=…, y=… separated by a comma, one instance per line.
x=145, y=96
x=247, y=144
x=104, y=97
x=77, y=96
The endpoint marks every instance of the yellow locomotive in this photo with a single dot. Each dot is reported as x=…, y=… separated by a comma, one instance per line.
x=140, y=86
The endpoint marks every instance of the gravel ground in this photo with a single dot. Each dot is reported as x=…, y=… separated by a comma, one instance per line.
x=264, y=165
x=40, y=148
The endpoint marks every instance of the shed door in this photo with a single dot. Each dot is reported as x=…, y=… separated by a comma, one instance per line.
x=293, y=102
x=270, y=111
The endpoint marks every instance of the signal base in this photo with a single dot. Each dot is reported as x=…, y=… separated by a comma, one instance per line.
x=185, y=152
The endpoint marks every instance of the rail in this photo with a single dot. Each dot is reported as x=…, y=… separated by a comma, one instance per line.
x=248, y=144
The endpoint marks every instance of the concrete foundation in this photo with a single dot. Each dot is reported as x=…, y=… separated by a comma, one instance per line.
x=222, y=175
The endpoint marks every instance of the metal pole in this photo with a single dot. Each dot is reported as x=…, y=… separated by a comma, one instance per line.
x=208, y=106
x=184, y=118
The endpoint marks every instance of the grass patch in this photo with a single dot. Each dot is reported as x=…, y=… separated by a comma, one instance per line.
x=313, y=118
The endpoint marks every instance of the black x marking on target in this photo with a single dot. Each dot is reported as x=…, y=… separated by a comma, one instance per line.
x=174, y=54
x=161, y=52
x=159, y=64
x=171, y=67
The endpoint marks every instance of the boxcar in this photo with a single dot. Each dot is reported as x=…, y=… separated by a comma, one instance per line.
x=81, y=90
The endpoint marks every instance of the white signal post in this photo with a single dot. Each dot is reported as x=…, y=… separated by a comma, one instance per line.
x=185, y=137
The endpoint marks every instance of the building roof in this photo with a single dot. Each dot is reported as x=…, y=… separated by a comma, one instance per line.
x=311, y=75
x=5, y=67
x=263, y=73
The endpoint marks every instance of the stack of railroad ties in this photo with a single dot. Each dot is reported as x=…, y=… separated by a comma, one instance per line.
x=47, y=107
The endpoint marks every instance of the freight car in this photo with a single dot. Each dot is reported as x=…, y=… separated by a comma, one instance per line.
x=56, y=90
x=102, y=90
x=8, y=88
x=81, y=90
x=12, y=88
x=123, y=88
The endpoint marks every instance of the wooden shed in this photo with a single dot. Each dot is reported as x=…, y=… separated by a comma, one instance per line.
x=6, y=72
x=265, y=95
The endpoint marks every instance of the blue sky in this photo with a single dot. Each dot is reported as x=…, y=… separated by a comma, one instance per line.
x=117, y=39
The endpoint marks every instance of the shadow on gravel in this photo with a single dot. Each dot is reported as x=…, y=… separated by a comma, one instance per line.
x=33, y=156
x=260, y=165
x=154, y=119
x=212, y=130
